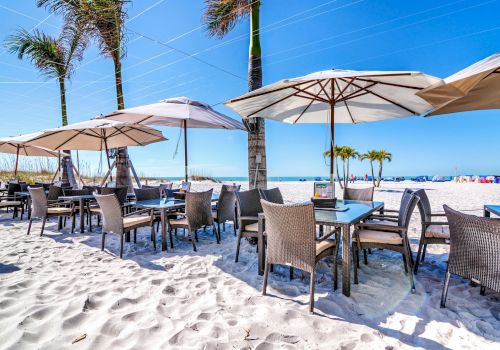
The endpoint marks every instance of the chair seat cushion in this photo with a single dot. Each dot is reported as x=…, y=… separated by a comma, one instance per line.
x=252, y=227
x=179, y=222
x=324, y=245
x=438, y=231
x=384, y=237
x=135, y=220
x=59, y=210
x=10, y=204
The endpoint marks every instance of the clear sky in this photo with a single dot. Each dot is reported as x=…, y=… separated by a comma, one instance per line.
x=298, y=37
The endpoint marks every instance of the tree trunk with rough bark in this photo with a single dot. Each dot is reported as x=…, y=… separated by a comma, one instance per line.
x=257, y=169
x=379, y=174
x=66, y=163
x=338, y=174
x=373, y=174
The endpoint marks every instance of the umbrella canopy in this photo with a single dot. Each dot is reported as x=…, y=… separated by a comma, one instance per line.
x=337, y=96
x=96, y=135
x=17, y=145
x=178, y=112
x=475, y=87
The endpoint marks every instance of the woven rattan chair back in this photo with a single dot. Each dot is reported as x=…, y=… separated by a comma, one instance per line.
x=273, y=195
x=164, y=188
x=38, y=202
x=359, y=194
x=54, y=193
x=143, y=194
x=13, y=188
x=120, y=192
x=226, y=207
x=474, y=248
x=112, y=220
x=424, y=205
x=290, y=230
x=71, y=192
x=248, y=202
x=408, y=204
x=199, y=209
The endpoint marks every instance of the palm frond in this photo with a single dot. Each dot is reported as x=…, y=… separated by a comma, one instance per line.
x=222, y=15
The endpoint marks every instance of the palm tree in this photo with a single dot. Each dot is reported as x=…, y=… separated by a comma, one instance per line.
x=102, y=20
x=54, y=58
x=336, y=152
x=371, y=156
x=382, y=155
x=220, y=17
x=347, y=153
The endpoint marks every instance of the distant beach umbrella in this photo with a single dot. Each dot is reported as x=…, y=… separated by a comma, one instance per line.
x=473, y=88
x=17, y=145
x=181, y=112
x=337, y=96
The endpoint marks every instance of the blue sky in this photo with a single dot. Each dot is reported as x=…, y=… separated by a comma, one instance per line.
x=298, y=37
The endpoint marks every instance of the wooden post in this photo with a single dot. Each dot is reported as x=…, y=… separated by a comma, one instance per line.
x=107, y=173
x=332, y=137
x=184, y=123
x=135, y=174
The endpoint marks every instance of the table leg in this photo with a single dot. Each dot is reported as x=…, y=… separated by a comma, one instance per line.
x=163, y=230
x=82, y=214
x=346, y=260
x=29, y=207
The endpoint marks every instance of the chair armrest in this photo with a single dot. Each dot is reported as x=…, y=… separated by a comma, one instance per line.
x=254, y=218
x=390, y=210
x=328, y=235
x=380, y=227
x=428, y=223
x=384, y=217
x=438, y=214
x=148, y=210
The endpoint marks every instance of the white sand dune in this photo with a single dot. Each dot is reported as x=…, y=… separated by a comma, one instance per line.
x=60, y=287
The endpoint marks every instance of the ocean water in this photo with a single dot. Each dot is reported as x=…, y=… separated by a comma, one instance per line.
x=297, y=178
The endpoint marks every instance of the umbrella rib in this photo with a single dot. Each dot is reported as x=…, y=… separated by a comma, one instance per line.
x=351, y=95
x=315, y=97
x=127, y=135
x=345, y=103
x=309, y=105
x=386, y=99
x=267, y=92
x=391, y=84
x=341, y=92
x=278, y=101
x=324, y=90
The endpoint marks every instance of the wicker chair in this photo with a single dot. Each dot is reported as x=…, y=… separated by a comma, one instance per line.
x=291, y=240
x=391, y=237
x=474, y=250
x=433, y=231
x=42, y=209
x=54, y=193
x=273, y=195
x=164, y=188
x=198, y=215
x=226, y=207
x=77, y=209
x=121, y=194
x=359, y=194
x=113, y=220
x=248, y=209
x=143, y=194
x=11, y=201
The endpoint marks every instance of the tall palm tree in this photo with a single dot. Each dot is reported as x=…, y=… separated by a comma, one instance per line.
x=104, y=21
x=382, y=156
x=220, y=17
x=371, y=156
x=347, y=153
x=54, y=58
x=336, y=152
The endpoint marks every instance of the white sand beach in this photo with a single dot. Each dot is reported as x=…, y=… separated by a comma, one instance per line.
x=61, y=287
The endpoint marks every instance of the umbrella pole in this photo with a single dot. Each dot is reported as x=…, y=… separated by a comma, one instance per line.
x=184, y=123
x=17, y=161
x=332, y=139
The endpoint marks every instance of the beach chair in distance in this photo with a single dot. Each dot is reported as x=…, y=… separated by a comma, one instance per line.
x=225, y=209
x=42, y=209
x=291, y=240
x=113, y=220
x=248, y=209
x=198, y=215
x=11, y=201
x=474, y=250
x=391, y=237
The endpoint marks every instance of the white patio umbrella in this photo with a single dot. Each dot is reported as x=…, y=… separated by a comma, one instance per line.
x=337, y=96
x=181, y=112
x=17, y=145
x=473, y=88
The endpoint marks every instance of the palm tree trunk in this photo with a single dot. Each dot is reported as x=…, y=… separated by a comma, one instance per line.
x=338, y=174
x=122, y=159
x=373, y=175
x=66, y=164
x=379, y=174
x=257, y=169
x=347, y=182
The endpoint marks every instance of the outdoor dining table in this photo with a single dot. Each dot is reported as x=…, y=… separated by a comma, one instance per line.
x=165, y=205
x=346, y=214
x=81, y=199
x=491, y=209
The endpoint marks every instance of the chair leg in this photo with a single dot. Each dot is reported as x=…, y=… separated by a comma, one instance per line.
x=196, y=235
x=218, y=227
x=445, y=288
x=59, y=223
x=64, y=221
x=29, y=226
x=405, y=262
x=355, y=258
x=423, y=253
x=73, y=223
x=192, y=239
x=408, y=268
x=135, y=235
x=291, y=273
x=157, y=226
x=266, y=275
x=419, y=255
x=365, y=257
x=153, y=236
x=43, y=225
x=238, y=242
x=369, y=250
x=217, y=232
x=224, y=226
x=234, y=228
x=482, y=290
x=122, y=238
x=311, y=300
x=22, y=212
x=103, y=239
